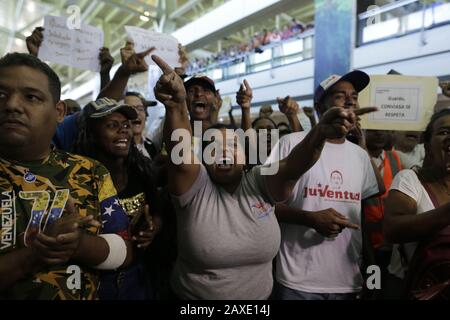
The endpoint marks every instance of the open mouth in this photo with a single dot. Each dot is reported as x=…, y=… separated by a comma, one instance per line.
x=199, y=107
x=121, y=143
x=225, y=163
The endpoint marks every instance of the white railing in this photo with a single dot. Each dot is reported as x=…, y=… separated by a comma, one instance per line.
x=276, y=54
x=399, y=18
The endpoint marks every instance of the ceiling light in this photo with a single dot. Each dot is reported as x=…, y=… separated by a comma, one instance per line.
x=31, y=6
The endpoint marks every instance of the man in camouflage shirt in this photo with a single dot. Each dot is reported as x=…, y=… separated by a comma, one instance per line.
x=58, y=211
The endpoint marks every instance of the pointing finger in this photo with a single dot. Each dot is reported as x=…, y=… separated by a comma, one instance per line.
x=347, y=224
x=166, y=69
x=362, y=111
x=247, y=85
x=145, y=53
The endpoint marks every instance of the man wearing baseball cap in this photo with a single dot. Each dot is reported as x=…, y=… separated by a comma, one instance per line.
x=105, y=106
x=321, y=247
x=202, y=100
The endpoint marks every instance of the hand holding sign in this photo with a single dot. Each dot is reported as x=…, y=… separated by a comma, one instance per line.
x=134, y=62
x=106, y=61
x=165, y=45
x=71, y=47
x=34, y=41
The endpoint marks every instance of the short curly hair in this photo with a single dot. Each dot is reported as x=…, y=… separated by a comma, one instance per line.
x=23, y=59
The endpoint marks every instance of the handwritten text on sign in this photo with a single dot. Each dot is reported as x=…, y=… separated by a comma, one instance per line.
x=77, y=48
x=166, y=46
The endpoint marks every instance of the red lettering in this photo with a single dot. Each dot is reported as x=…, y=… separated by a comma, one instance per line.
x=322, y=192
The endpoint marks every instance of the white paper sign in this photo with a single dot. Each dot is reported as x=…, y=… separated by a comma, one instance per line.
x=77, y=48
x=166, y=46
x=397, y=102
x=404, y=102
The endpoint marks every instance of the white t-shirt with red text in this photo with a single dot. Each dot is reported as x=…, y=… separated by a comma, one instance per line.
x=340, y=179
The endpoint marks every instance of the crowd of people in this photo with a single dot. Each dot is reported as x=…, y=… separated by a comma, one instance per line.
x=255, y=44
x=141, y=219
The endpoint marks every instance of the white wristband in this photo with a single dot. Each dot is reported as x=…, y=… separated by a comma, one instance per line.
x=117, y=252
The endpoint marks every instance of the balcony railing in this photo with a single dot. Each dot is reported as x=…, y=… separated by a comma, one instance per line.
x=276, y=54
x=400, y=18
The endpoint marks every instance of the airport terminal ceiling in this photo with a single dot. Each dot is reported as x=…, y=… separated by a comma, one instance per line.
x=18, y=18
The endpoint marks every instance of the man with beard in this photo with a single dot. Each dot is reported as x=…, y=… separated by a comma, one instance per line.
x=321, y=239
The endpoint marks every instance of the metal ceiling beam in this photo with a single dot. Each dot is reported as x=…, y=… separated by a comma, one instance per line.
x=94, y=13
x=86, y=12
x=112, y=14
x=145, y=6
x=286, y=17
x=17, y=14
x=131, y=10
x=183, y=9
x=51, y=11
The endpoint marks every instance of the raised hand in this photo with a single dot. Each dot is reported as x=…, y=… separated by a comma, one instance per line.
x=106, y=60
x=169, y=89
x=134, y=62
x=288, y=106
x=183, y=59
x=34, y=41
x=337, y=122
x=127, y=51
x=245, y=95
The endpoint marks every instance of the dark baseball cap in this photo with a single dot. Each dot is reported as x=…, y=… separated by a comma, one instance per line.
x=203, y=81
x=146, y=103
x=357, y=78
x=104, y=106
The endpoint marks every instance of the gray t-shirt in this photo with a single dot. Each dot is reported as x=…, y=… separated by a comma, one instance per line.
x=226, y=242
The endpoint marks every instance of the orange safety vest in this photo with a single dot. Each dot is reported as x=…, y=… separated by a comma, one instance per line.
x=373, y=208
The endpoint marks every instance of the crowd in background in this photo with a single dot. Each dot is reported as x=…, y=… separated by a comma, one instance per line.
x=255, y=44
